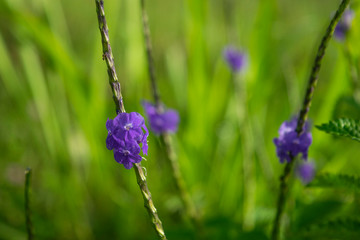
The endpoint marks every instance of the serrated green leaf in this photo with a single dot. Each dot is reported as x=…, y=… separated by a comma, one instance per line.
x=342, y=127
x=336, y=181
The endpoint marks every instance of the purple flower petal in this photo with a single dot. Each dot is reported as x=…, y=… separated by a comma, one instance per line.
x=136, y=119
x=144, y=141
x=132, y=147
x=234, y=58
x=121, y=119
x=128, y=165
x=109, y=125
x=166, y=121
x=344, y=25
x=157, y=123
x=171, y=119
x=125, y=133
x=306, y=172
x=135, y=158
x=110, y=142
x=289, y=144
x=118, y=156
x=150, y=109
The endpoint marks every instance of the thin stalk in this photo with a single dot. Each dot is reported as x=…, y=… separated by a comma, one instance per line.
x=179, y=181
x=166, y=138
x=303, y=115
x=108, y=57
x=313, y=79
x=244, y=122
x=149, y=55
x=282, y=199
x=148, y=203
x=116, y=89
x=27, y=193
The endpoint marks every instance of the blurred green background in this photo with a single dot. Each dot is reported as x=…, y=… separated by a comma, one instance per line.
x=55, y=100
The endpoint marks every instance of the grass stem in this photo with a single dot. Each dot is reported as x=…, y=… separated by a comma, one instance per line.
x=27, y=193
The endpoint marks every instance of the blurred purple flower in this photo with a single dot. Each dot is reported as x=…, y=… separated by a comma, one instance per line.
x=234, y=58
x=344, y=25
x=125, y=133
x=289, y=144
x=166, y=121
x=306, y=172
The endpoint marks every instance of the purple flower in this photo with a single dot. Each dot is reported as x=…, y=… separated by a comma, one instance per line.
x=306, y=172
x=127, y=153
x=125, y=133
x=289, y=144
x=344, y=25
x=234, y=58
x=167, y=121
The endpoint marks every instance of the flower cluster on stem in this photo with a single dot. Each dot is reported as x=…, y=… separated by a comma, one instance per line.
x=289, y=143
x=303, y=115
x=235, y=59
x=120, y=109
x=125, y=133
x=165, y=121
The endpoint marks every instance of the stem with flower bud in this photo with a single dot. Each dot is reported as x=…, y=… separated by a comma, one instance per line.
x=116, y=89
x=303, y=115
x=165, y=137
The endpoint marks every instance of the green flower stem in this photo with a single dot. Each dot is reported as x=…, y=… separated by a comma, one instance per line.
x=148, y=203
x=303, y=115
x=108, y=57
x=27, y=193
x=179, y=181
x=282, y=199
x=116, y=89
x=165, y=137
x=316, y=66
x=247, y=168
x=150, y=59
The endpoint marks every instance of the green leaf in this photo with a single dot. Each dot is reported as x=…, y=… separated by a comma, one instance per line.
x=315, y=212
x=335, y=229
x=336, y=181
x=342, y=127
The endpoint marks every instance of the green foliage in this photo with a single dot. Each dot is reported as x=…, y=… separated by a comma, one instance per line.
x=342, y=127
x=55, y=99
x=328, y=180
x=346, y=106
x=341, y=224
x=315, y=212
x=347, y=228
